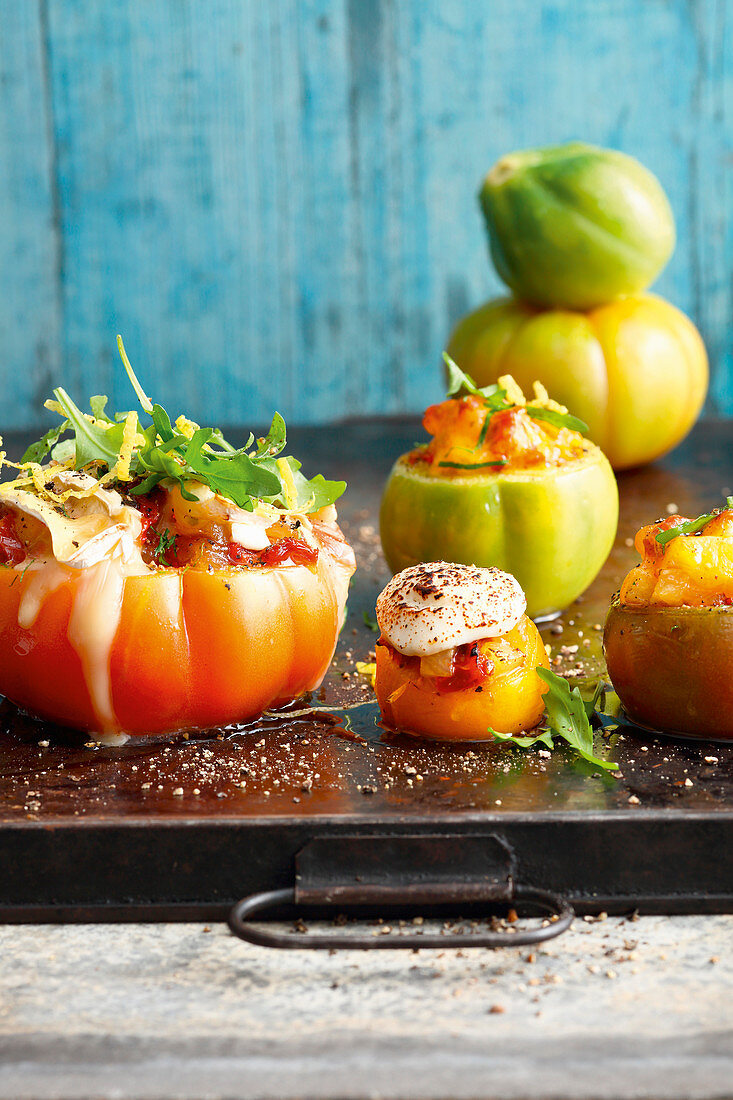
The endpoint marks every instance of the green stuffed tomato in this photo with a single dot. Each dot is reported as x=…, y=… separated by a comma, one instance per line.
x=552, y=528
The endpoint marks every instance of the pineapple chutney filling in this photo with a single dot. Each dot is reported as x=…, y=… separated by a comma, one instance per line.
x=494, y=428
x=684, y=562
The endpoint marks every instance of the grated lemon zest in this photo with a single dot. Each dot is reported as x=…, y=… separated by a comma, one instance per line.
x=291, y=493
x=129, y=437
x=543, y=399
x=187, y=427
x=514, y=394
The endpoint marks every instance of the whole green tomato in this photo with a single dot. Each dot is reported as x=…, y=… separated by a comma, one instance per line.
x=575, y=226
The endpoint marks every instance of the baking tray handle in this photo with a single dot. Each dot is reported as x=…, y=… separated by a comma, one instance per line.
x=556, y=908
x=397, y=872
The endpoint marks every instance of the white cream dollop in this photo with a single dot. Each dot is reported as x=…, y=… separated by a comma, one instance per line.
x=435, y=606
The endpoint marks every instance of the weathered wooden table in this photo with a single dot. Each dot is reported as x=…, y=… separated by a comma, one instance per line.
x=617, y=1007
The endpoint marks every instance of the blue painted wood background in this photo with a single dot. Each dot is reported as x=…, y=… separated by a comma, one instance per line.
x=274, y=200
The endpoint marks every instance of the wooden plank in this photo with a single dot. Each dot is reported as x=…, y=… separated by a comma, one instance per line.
x=30, y=247
x=276, y=202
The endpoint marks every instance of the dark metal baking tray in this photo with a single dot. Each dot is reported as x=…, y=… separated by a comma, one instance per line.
x=104, y=833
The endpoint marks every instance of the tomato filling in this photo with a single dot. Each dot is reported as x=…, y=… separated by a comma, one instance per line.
x=469, y=667
x=468, y=438
x=12, y=549
x=693, y=569
x=161, y=546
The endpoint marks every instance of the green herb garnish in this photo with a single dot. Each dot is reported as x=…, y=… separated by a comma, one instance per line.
x=180, y=452
x=567, y=717
x=494, y=397
x=372, y=624
x=495, y=400
x=473, y=465
x=166, y=542
x=690, y=526
x=560, y=420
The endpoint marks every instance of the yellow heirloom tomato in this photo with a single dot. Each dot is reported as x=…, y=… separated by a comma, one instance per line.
x=634, y=370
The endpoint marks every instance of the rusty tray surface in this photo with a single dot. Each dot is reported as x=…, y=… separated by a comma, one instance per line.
x=187, y=828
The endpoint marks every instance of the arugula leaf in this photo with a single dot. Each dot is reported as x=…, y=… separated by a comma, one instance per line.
x=162, y=422
x=592, y=705
x=566, y=718
x=310, y=495
x=93, y=443
x=457, y=379
x=64, y=451
x=690, y=526
x=38, y=450
x=544, y=737
x=274, y=441
x=494, y=396
x=560, y=420
x=98, y=405
x=242, y=475
x=237, y=478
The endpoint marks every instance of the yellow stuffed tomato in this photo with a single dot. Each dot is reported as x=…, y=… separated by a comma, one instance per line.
x=457, y=657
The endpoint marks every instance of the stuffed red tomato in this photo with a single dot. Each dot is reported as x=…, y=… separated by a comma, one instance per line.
x=153, y=578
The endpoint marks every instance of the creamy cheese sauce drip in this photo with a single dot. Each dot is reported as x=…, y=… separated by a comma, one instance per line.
x=95, y=618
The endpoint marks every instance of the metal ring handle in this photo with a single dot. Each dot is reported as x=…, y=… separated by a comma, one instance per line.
x=244, y=910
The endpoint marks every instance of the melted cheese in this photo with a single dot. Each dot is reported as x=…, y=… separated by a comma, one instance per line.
x=83, y=530
x=95, y=618
x=92, y=542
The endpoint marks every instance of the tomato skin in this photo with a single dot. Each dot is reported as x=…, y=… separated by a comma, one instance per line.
x=12, y=550
x=39, y=668
x=635, y=370
x=192, y=649
x=509, y=699
x=671, y=667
